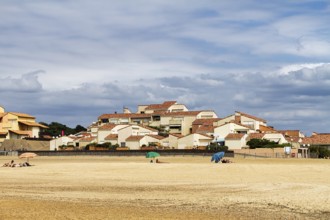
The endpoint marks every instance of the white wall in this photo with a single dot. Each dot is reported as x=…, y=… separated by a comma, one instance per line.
x=133, y=145
x=35, y=132
x=193, y=140
x=55, y=143
x=236, y=143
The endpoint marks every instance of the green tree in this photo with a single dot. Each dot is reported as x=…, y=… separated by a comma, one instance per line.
x=55, y=129
x=79, y=128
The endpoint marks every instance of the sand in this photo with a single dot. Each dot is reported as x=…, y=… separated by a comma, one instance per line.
x=91, y=187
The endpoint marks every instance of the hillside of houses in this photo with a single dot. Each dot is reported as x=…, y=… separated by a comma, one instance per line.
x=167, y=125
x=171, y=125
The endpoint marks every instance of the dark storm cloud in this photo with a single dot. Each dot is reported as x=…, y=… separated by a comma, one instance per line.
x=293, y=100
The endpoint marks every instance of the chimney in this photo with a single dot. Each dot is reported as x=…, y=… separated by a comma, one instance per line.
x=237, y=117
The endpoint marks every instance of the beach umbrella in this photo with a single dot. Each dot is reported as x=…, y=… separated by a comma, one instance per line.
x=152, y=154
x=217, y=157
x=27, y=155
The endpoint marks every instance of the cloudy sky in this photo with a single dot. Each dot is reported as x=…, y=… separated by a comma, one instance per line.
x=72, y=60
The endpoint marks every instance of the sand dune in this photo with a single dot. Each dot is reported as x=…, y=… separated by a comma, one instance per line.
x=184, y=188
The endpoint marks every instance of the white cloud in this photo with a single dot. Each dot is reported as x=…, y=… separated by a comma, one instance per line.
x=98, y=56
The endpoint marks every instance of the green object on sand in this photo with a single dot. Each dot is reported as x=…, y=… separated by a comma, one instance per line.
x=152, y=154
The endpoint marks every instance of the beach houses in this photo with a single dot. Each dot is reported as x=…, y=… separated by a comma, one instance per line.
x=173, y=126
x=170, y=116
x=180, y=127
x=15, y=125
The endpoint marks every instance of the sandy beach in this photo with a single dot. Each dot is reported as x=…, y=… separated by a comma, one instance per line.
x=91, y=187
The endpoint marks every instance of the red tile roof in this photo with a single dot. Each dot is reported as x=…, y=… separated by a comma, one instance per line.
x=111, y=137
x=317, y=139
x=234, y=136
x=134, y=137
x=290, y=133
x=108, y=126
x=203, y=121
x=163, y=106
x=205, y=129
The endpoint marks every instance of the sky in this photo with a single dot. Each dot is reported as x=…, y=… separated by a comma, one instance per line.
x=70, y=61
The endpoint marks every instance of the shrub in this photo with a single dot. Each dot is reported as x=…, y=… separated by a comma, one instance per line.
x=263, y=143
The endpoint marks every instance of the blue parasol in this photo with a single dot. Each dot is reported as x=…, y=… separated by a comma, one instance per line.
x=217, y=157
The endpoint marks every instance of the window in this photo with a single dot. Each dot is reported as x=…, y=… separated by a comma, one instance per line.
x=156, y=118
x=104, y=120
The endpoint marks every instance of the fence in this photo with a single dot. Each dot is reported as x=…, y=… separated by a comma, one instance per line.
x=8, y=153
x=129, y=153
x=265, y=155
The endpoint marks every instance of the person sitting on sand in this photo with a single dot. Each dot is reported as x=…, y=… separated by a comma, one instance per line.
x=157, y=161
x=6, y=165
x=12, y=163
x=226, y=161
